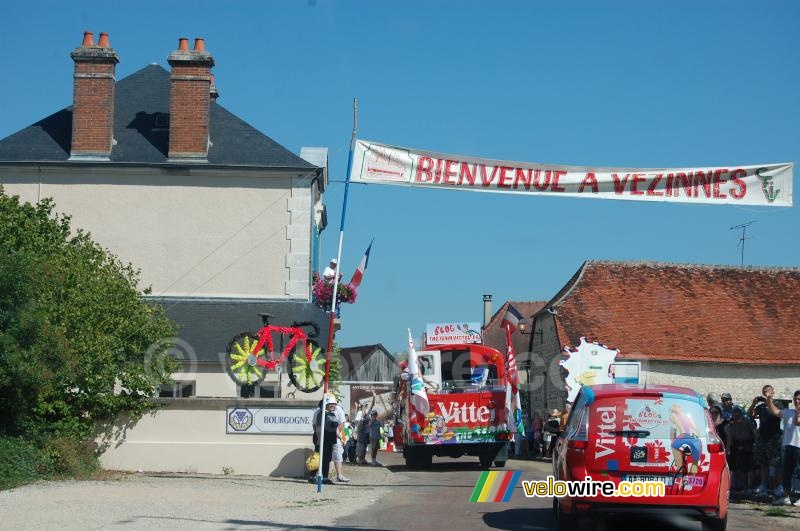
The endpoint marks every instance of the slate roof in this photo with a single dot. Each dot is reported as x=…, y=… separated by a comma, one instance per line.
x=674, y=312
x=138, y=98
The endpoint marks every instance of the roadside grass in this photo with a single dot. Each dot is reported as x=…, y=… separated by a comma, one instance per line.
x=777, y=512
x=22, y=462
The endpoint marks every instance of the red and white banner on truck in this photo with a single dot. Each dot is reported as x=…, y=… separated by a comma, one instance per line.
x=759, y=184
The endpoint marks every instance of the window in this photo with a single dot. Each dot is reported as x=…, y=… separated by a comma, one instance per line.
x=425, y=365
x=259, y=391
x=160, y=121
x=179, y=390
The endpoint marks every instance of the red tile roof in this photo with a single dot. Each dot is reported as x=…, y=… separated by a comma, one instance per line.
x=525, y=308
x=676, y=312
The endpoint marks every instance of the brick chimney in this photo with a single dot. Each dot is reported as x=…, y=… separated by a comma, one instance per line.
x=190, y=97
x=93, y=99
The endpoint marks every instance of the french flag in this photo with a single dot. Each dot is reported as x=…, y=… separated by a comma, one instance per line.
x=511, y=318
x=358, y=276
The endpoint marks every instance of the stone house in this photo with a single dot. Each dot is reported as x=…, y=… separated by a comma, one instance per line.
x=708, y=327
x=223, y=222
x=495, y=336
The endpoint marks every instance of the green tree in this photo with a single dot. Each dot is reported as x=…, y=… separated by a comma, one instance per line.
x=78, y=344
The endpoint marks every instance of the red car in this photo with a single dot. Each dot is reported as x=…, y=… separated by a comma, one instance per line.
x=632, y=433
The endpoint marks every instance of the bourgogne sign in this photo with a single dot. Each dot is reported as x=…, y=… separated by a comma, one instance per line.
x=760, y=184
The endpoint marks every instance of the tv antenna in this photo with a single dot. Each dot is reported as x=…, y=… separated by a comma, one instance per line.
x=744, y=236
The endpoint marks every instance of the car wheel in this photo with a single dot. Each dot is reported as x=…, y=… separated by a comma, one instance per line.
x=486, y=460
x=499, y=464
x=715, y=524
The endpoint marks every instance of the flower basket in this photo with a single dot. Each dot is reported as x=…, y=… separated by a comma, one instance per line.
x=322, y=292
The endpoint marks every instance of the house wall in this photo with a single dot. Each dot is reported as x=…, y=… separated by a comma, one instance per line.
x=213, y=381
x=191, y=231
x=743, y=382
x=544, y=382
x=189, y=435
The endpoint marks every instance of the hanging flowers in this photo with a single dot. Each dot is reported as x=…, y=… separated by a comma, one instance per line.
x=323, y=292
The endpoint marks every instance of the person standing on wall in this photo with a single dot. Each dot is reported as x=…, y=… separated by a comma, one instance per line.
x=329, y=273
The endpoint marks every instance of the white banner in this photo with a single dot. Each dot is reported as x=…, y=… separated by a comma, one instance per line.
x=452, y=333
x=761, y=184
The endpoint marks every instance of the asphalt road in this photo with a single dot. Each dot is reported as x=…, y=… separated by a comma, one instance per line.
x=439, y=498
x=388, y=497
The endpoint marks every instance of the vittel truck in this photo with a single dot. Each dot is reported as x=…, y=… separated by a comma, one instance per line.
x=466, y=390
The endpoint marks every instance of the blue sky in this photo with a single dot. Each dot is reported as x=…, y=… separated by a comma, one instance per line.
x=636, y=84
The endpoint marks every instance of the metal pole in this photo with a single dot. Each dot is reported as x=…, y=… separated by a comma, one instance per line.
x=333, y=297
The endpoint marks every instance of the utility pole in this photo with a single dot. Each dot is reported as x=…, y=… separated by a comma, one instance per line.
x=744, y=236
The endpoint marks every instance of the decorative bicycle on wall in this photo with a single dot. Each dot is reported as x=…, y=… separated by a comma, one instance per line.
x=251, y=355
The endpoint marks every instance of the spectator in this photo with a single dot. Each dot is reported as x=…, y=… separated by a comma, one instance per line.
x=711, y=400
x=791, y=442
x=362, y=440
x=349, y=440
x=400, y=381
x=338, y=447
x=331, y=426
x=741, y=434
x=375, y=428
x=562, y=423
x=359, y=414
x=329, y=273
x=719, y=422
x=767, y=449
x=727, y=406
x=536, y=434
x=552, y=427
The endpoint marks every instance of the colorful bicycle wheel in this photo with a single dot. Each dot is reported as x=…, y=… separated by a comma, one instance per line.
x=242, y=360
x=307, y=376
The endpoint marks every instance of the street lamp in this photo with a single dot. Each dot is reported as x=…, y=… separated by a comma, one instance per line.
x=522, y=326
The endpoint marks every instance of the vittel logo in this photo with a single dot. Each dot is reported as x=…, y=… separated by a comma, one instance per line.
x=464, y=413
x=606, y=440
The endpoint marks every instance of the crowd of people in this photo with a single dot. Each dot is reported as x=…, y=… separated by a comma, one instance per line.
x=346, y=441
x=762, y=442
x=541, y=433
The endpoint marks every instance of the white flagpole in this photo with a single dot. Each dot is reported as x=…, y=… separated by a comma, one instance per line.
x=335, y=289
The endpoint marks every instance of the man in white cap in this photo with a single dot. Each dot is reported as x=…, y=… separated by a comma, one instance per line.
x=331, y=426
x=330, y=272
